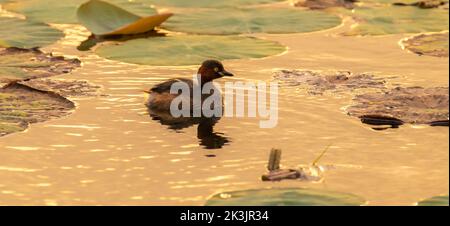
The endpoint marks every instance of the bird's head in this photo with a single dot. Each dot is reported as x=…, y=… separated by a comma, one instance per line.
x=212, y=69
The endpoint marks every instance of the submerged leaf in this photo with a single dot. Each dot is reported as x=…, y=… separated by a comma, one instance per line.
x=318, y=82
x=64, y=11
x=102, y=18
x=21, y=105
x=254, y=20
x=20, y=64
x=207, y=3
x=389, y=1
x=324, y=4
x=188, y=50
x=419, y=3
x=397, y=20
x=25, y=34
x=415, y=105
x=428, y=44
x=424, y=4
x=285, y=197
x=64, y=87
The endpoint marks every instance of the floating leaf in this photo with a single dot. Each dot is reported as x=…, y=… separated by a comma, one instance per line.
x=20, y=64
x=389, y=1
x=284, y=197
x=397, y=19
x=410, y=105
x=428, y=44
x=102, y=18
x=255, y=20
x=435, y=201
x=188, y=50
x=318, y=82
x=404, y=1
x=64, y=87
x=424, y=4
x=21, y=105
x=64, y=12
x=207, y=3
x=324, y=4
x=25, y=34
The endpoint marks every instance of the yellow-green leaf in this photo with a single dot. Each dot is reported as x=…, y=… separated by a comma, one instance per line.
x=102, y=18
x=64, y=11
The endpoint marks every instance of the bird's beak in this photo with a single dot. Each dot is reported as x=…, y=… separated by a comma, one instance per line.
x=225, y=73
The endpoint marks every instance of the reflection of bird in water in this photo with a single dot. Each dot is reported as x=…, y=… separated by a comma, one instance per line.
x=160, y=99
x=205, y=130
x=207, y=136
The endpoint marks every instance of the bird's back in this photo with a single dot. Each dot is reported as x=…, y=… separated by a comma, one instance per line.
x=167, y=85
x=160, y=97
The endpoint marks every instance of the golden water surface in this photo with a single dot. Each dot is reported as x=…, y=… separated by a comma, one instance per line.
x=110, y=152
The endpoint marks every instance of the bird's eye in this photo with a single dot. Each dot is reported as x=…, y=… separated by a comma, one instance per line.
x=216, y=69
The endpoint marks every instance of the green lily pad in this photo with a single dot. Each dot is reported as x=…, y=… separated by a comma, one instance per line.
x=284, y=197
x=255, y=20
x=435, y=201
x=188, y=50
x=435, y=44
x=397, y=20
x=20, y=64
x=64, y=12
x=207, y=3
x=26, y=34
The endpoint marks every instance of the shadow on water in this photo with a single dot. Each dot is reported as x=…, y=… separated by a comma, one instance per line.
x=93, y=40
x=205, y=128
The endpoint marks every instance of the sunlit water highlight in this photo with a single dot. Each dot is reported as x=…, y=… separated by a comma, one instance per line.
x=110, y=152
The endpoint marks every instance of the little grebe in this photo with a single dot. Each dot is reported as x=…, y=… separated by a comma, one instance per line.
x=160, y=97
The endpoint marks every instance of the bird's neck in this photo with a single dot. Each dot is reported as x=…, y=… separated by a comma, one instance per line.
x=203, y=79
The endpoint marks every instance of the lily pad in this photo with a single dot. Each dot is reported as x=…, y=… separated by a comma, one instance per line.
x=65, y=88
x=428, y=44
x=435, y=201
x=389, y=1
x=324, y=4
x=207, y=3
x=64, y=12
x=318, y=82
x=424, y=4
x=25, y=34
x=103, y=18
x=251, y=20
x=21, y=105
x=284, y=197
x=414, y=105
x=21, y=64
x=397, y=20
x=188, y=50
